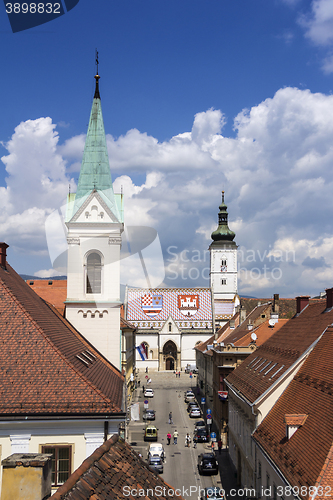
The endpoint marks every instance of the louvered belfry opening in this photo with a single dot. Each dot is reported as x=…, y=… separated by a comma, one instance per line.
x=94, y=273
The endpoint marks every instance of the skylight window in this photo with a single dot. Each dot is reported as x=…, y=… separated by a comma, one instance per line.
x=264, y=368
x=277, y=371
x=271, y=368
x=260, y=364
x=253, y=360
x=82, y=360
x=256, y=363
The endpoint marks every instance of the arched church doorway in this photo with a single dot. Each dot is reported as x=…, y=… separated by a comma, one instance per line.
x=170, y=355
x=170, y=364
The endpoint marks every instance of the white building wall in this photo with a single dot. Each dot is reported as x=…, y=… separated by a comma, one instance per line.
x=83, y=436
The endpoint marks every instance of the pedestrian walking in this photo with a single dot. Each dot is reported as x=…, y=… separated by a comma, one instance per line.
x=219, y=445
x=143, y=389
x=187, y=440
x=149, y=381
x=175, y=436
x=170, y=418
x=138, y=383
x=169, y=437
x=146, y=369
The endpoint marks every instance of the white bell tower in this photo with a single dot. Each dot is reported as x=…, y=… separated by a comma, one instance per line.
x=95, y=223
x=223, y=258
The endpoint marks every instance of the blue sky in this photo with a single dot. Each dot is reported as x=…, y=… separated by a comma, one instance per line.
x=197, y=96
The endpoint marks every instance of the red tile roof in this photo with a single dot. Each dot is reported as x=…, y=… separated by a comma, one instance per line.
x=294, y=420
x=280, y=351
x=53, y=291
x=46, y=366
x=307, y=455
x=257, y=316
x=112, y=470
x=263, y=332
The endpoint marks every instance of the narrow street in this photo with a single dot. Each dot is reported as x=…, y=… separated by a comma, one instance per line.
x=180, y=467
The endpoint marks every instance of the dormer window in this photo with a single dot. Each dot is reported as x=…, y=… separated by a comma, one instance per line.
x=294, y=422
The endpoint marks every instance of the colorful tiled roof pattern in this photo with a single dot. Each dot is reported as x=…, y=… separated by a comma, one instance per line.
x=46, y=366
x=306, y=456
x=168, y=302
x=280, y=351
x=112, y=470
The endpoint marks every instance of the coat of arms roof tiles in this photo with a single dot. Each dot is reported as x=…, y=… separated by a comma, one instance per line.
x=189, y=307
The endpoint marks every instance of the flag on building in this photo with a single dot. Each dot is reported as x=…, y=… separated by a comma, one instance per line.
x=142, y=350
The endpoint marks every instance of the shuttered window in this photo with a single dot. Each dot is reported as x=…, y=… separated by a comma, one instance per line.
x=94, y=273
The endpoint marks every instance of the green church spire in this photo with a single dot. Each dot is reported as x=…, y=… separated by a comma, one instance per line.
x=95, y=169
x=223, y=234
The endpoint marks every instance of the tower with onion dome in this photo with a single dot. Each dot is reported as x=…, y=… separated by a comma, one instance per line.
x=223, y=266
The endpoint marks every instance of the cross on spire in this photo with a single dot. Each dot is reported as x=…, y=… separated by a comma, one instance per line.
x=97, y=77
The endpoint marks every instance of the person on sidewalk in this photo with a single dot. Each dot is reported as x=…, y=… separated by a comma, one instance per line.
x=170, y=418
x=169, y=438
x=143, y=389
x=219, y=445
x=175, y=436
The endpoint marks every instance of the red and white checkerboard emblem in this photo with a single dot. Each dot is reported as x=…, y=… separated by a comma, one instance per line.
x=152, y=305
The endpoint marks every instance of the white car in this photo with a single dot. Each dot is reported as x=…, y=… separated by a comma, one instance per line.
x=149, y=393
x=156, y=450
x=195, y=412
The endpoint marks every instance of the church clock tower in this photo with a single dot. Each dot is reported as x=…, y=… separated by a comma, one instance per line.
x=95, y=223
x=223, y=258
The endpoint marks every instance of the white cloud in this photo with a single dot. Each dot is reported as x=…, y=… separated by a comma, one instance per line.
x=276, y=172
x=319, y=24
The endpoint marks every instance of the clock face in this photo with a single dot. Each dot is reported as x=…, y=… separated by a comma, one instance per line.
x=223, y=269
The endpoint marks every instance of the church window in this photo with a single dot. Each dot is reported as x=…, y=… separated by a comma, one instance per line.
x=170, y=327
x=94, y=273
x=223, y=262
x=223, y=281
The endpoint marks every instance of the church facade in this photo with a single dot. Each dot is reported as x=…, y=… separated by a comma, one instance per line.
x=171, y=322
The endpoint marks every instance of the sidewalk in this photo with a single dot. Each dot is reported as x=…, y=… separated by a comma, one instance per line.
x=226, y=479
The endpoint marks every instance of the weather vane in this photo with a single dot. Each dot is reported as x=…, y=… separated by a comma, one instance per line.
x=97, y=60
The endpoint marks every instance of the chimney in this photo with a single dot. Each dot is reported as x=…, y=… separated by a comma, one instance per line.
x=242, y=314
x=26, y=476
x=276, y=303
x=301, y=302
x=3, y=254
x=329, y=298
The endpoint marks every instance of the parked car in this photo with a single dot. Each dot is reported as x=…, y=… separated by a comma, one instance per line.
x=149, y=393
x=213, y=493
x=148, y=414
x=189, y=396
x=200, y=424
x=207, y=463
x=156, y=450
x=195, y=412
x=191, y=404
x=150, y=433
x=201, y=435
x=156, y=464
